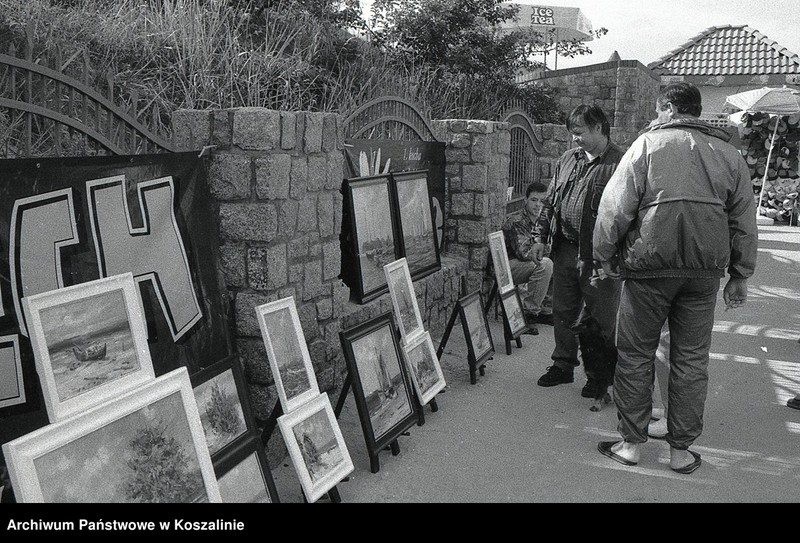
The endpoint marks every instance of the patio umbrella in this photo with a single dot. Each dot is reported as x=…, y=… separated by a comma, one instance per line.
x=778, y=101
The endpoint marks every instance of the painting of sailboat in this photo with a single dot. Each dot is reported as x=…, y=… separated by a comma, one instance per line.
x=404, y=298
x=416, y=222
x=424, y=365
x=502, y=270
x=476, y=329
x=512, y=306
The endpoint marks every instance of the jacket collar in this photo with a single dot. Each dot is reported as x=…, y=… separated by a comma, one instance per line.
x=692, y=123
x=579, y=153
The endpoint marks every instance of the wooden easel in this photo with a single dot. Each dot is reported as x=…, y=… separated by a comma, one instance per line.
x=473, y=364
x=507, y=335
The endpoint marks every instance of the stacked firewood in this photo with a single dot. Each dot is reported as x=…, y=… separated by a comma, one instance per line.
x=780, y=198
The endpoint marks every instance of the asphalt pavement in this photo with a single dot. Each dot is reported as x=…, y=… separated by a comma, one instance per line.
x=507, y=440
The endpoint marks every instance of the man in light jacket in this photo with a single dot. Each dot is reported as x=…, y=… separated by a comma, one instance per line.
x=678, y=212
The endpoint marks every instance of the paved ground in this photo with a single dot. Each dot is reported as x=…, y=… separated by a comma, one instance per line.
x=505, y=439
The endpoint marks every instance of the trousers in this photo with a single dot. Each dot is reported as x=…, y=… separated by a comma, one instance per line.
x=536, y=278
x=687, y=304
x=572, y=289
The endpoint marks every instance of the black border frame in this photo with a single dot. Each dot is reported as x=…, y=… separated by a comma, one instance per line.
x=235, y=455
x=513, y=334
x=399, y=177
x=462, y=302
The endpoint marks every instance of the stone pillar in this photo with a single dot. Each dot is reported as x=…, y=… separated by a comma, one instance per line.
x=477, y=154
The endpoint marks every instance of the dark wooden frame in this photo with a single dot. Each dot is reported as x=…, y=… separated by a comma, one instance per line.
x=512, y=296
x=374, y=443
x=231, y=363
x=476, y=359
x=237, y=454
x=361, y=293
x=417, y=272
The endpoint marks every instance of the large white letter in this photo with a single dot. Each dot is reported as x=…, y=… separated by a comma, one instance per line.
x=153, y=252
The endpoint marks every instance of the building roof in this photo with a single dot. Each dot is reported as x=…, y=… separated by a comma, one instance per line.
x=728, y=50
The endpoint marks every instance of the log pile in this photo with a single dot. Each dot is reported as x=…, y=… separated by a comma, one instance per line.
x=780, y=201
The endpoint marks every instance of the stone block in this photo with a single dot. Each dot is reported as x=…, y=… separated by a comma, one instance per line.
x=480, y=127
x=325, y=215
x=298, y=177
x=334, y=175
x=329, y=136
x=287, y=217
x=457, y=125
x=272, y=176
x=312, y=133
x=452, y=154
x=325, y=309
x=297, y=248
x=307, y=215
x=308, y=320
x=256, y=128
x=191, y=129
x=266, y=267
x=312, y=280
x=474, y=177
x=460, y=140
x=248, y=222
x=245, y=312
x=229, y=176
x=222, y=129
x=296, y=274
x=481, y=207
x=471, y=232
x=288, y=130
x=232, y=259
x=317, y=170
x=253, y=356
x=481, y=144
x=462, y=203
x=331, y=260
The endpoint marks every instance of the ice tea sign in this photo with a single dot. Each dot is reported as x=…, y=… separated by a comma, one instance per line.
x=542, y=16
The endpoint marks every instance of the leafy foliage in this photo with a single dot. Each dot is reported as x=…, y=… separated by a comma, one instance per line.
x=221, y=411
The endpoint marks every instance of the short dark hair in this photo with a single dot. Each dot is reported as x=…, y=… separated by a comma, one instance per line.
x=589, y=116
x=684, y=96
x=536, y=186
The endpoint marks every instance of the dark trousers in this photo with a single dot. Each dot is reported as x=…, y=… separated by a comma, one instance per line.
x=571, y=290
x=645, y=304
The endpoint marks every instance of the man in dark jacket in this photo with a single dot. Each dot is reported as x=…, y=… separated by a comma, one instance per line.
x=566, y=223
x=678, y=211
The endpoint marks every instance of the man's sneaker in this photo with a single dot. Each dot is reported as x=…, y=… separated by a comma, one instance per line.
x=555, y=376
x=542, y=318
x=532, y=329
x=589, y=390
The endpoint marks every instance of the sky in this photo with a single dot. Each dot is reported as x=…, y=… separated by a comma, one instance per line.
x=647, y=30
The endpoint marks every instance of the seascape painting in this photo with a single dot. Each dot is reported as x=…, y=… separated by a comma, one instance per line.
x=288, y=353
x=419, y=238
x=425, y=367
x=89, y=341
x=513, y=311
x=245, y=483
x=404, y=297
x=147, y=456
x=373, y=231
x=478, y=329
x=220, y=410
x=318, y=445
x=382, y=380
x=500, y=260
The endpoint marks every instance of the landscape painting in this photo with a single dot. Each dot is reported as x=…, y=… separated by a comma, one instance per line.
x=89, y=343
x=420, y=247
x=425, y=369
x=382, y=380
x=512, y=306
x=502, y=270
x=143, y=447
x=288, y=353
x=476, y=329
x=316, y=446
x=220, y=410
x=374, y=234
x=404, y=299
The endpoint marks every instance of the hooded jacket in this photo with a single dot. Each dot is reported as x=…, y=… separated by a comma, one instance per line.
x=680, y=204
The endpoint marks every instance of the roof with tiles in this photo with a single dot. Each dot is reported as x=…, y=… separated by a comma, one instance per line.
x=728, y=50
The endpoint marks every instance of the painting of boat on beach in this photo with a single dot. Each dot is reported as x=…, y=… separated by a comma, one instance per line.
x=382, y=380
x=502, y=269
x=416, y=222
x=404, y=298
x=426, y=372
x=375, y=240
x=89, y=341
x=220, y=410
x=512, y=306
x=475, y=327
x=287, y=352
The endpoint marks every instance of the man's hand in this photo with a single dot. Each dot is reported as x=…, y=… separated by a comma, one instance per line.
x=735, y=293
x=608, y=270
x=538, y=251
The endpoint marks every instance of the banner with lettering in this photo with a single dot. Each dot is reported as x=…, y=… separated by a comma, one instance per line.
x=65, y=221
x=373, y=157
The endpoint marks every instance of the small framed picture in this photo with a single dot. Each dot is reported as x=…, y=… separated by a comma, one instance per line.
x=380, y=384
x=221, y=395
x=89, y=343
x=418, y=236
x=502, y=269
x=144, y=446
x=243, y=474
x=288, y=353
x=426, y=372
x=404, y=299
x=512, y=309
x=12, y=385
x=373, y=233
x=316, y=446
x=480, y=344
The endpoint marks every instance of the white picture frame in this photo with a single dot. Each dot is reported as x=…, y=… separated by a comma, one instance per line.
x=89, y=343
x=106, y=454
x=404, y=299
x=423, y=365
x=502, y=268
x=287, y=351
x=12, y=383
x=306, y=431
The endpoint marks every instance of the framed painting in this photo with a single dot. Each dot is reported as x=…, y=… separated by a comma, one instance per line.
x=144, y=446
x=512, y=309
x=502, y=269
x=12, y=385
x=316, y=446
x=287, y=352
x=418, y=243
x=480, y=344
x=373, y=233
x=404, y=299
x=223, y=405
x=423, y=364
x=89, y=343
x=380, y=384
x=243, y=474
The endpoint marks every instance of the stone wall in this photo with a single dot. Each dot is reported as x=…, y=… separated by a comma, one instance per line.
x=477, y=154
